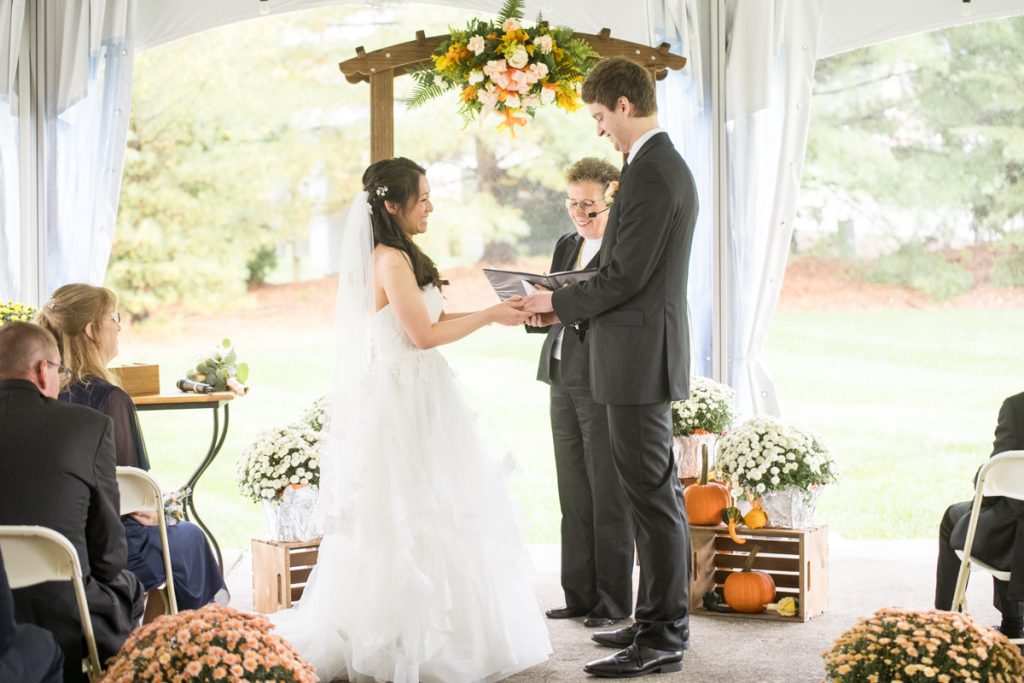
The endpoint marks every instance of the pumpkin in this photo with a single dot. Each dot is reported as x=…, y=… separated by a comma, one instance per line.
x=749, y=591
x=705, y=501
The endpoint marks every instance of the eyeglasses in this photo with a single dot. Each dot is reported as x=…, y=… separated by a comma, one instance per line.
x=116, y=317
x=586, y=205
x=63, y=370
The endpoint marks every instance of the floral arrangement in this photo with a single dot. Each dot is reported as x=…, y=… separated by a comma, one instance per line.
x=933, y=646
x=507, y=68
x=221, y=370
x=174, y=504
x=279, y=458
x=765, y=454
x=213, y=643
x=11, y=311
x=707, y=411
x=317, y=416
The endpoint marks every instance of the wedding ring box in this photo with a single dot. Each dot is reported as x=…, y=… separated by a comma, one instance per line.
x=138, y=378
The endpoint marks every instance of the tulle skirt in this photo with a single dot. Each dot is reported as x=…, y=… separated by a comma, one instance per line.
x=424, y=576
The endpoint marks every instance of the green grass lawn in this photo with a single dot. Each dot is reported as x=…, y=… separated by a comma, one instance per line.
x=907, y=399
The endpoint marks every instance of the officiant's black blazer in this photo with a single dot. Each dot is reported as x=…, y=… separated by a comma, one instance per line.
x=636, y=304
x=57, y=470
x=574, y=366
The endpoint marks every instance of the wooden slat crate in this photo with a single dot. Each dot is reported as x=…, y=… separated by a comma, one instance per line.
x=280, y=570
x=796, y=559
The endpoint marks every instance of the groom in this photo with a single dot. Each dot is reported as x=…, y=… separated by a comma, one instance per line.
x=639, y=361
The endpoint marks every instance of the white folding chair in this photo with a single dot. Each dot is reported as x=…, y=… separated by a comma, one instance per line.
x=141, y=493
x=1002, y=475
x=34, y=554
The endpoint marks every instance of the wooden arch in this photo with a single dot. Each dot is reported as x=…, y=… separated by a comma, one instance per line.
x=380, y=68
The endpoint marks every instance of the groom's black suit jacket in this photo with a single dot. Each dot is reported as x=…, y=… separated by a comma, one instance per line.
x=636, y=304
x=574, y=366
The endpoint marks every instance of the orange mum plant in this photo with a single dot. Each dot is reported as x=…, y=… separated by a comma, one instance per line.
x=214, y=643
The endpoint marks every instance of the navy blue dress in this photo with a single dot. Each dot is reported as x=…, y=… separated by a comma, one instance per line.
x=197, y=576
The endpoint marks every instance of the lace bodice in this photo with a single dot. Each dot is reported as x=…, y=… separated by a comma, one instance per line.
x=387, y=338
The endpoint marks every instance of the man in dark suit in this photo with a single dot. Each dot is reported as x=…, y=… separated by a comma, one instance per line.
x=999, y=538
x=57, y=470
x=639, y=355
x=28, y=654
x=597, y=531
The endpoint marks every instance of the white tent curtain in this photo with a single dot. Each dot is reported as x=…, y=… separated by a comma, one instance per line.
x=684, y=110
x=771, y=52
x=12, y=29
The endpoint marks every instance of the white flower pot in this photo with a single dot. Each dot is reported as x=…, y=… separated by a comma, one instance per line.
x=792, y=507
x=687, y=450
x=292, y=517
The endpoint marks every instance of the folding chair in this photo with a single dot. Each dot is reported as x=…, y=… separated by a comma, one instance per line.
x=34, y=554
x=1002, y=475
x=141, y=493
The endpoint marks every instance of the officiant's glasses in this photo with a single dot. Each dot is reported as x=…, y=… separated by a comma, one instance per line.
x=587, y=205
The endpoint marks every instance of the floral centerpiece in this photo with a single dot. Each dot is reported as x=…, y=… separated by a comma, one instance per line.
x=11, y=311
x=784, y=465
x=213, y=643
x=281, y=470
x=505, y=67
x=698, y=421
x=221, y=370
x=933, y=646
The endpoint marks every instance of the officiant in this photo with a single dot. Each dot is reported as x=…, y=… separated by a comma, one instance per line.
x=597, y=531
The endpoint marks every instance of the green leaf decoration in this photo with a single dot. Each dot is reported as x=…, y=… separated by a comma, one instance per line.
x=512, y=9
x=426, y=89
x=243, y=372
x=226, y=343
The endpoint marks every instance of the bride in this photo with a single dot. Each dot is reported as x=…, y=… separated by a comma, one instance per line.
x=421, y=574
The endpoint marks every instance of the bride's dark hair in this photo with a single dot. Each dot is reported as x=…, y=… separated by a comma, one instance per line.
x=398, y=180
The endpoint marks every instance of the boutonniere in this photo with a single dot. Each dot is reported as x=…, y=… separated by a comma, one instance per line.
x=610, y=192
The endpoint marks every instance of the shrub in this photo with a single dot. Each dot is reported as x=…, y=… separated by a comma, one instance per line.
x=912, y=265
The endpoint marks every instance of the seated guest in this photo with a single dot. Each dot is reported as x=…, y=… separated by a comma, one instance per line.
x=57, y=471
x=27, y=653
x=597, y=531
x=86, y=324
x=999, y=538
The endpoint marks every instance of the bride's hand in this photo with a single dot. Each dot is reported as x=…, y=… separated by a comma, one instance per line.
x=507, y=313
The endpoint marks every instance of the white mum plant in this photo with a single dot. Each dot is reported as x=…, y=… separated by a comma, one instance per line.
x=279, y=458
x=766, y=454
x=708, y=410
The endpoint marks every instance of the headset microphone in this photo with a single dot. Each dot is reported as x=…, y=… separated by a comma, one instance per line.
x=594, y=214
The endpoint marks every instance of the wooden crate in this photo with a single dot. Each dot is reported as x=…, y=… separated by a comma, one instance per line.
x=138, y=378
x=796, y=559
x=280, y=570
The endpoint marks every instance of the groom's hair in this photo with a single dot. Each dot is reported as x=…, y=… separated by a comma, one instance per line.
x=620, y=77
x=398, y=180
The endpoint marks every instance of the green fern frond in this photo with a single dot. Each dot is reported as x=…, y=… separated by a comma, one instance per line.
x=512, y=9
x=426, y=89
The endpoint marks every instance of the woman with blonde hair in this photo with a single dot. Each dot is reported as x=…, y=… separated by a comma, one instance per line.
x=86, y=324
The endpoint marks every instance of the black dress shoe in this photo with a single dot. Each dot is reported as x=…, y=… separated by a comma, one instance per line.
x=599, y=622
x=636, y=660
x=624, y=637
x=566, y=612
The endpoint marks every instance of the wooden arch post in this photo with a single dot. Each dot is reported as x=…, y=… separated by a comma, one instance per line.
x=380, y=68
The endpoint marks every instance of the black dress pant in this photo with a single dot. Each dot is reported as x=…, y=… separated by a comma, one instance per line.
x=597, y=531
x=949, y=566
x=641, y=438
x=33, y=657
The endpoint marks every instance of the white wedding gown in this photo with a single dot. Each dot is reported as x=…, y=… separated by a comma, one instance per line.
x=426, y=578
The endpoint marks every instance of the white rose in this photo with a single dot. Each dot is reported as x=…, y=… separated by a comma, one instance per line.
x=518, y=59
x=476, y=76
x=543, y=44
x=510, y=25
x=512, y=102
x=476, y=44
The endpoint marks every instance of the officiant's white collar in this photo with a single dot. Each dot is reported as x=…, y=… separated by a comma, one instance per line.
x=640, y=142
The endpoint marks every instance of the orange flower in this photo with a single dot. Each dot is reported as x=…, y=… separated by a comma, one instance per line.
x=469, y=94
x=513, y=118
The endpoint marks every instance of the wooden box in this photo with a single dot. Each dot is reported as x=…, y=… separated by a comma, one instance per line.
x=280, y=570
x=796, y=559
x=138, y=378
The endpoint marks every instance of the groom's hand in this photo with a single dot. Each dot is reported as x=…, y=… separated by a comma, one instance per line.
x=542, y=320
x=538, y=302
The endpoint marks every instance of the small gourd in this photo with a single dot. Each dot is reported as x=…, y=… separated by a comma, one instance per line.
x=732, y=517
x=705, y=501
x=749, y=591
x=756, y=518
